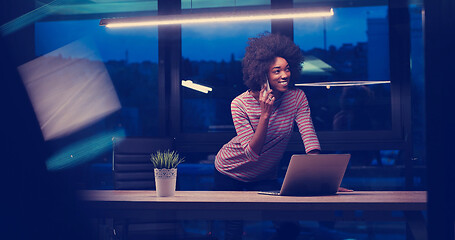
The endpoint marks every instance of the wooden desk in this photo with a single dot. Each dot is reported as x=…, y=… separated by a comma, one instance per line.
x=192, y=205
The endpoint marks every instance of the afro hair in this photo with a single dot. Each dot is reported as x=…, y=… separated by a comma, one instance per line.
x=261, y=53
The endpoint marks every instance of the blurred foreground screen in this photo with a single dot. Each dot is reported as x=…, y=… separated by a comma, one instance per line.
x=69, y=88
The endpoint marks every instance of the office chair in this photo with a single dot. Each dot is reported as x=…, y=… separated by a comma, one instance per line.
x=131, y=164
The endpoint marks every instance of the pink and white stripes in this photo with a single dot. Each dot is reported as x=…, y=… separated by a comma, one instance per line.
x=237, y=160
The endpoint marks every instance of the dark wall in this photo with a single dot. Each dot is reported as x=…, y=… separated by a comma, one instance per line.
x=35, y=203
x=440, y=85
x=21, y=42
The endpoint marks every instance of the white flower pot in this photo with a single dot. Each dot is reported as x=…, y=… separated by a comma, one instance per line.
x=165, y=181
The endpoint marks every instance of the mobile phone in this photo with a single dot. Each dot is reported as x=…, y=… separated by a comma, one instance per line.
x=267, y=87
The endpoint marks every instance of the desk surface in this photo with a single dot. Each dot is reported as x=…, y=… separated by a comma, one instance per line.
x=232, y=200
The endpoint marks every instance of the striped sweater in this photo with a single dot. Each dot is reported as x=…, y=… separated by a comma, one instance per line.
x=237, y=160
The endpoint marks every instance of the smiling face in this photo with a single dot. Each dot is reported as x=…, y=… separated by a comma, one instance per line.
x=279, y=76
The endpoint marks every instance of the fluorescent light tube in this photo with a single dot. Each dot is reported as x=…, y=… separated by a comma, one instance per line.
x=214, y=17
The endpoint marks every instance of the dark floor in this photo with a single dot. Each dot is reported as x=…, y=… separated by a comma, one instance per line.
x=310, y=230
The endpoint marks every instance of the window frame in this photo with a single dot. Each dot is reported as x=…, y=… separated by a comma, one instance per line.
x=169, y=57
x=169, y=62
x=396, y=138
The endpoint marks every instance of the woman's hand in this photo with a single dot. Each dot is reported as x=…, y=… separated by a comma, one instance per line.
x=266, y=100
x=314, y=151
x=342, y=189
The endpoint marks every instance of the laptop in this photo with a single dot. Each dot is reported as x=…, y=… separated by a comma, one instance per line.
x=313, y=175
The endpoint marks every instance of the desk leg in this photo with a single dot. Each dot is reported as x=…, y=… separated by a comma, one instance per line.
x=102, y=229
x=416, y=226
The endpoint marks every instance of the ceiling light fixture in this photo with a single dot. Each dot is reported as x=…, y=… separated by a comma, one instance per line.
x=340, y=84
x=214, y=17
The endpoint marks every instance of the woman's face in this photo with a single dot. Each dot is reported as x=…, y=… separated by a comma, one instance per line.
x=279, y=76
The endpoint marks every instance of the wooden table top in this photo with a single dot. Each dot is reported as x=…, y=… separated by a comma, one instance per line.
x=245, y=200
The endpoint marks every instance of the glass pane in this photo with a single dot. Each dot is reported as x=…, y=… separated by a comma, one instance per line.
x=375, y=170
x=212, y=57
x=417, y=82
x=129, y=56
x=346, y=70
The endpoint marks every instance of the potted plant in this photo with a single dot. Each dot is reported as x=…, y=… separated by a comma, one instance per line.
x=165, y=164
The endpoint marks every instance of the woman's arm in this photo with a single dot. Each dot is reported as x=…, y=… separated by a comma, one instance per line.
x=305, y=124
x=266, y=101
x=252, y=140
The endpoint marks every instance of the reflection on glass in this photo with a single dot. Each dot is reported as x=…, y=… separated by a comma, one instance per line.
x=375, y=170
x=82, y=151
x=353, y=114
x=417, y=82
x=212, y=57
x=69, y=89
x=352, y=46
x=130, y=57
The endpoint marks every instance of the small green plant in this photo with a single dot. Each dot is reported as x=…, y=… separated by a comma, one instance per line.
x=167, y=159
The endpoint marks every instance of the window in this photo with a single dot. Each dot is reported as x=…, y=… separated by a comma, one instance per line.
x=211, y=56
x=350, y=47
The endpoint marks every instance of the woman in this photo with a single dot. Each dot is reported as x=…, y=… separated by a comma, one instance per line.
x=264, y=120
